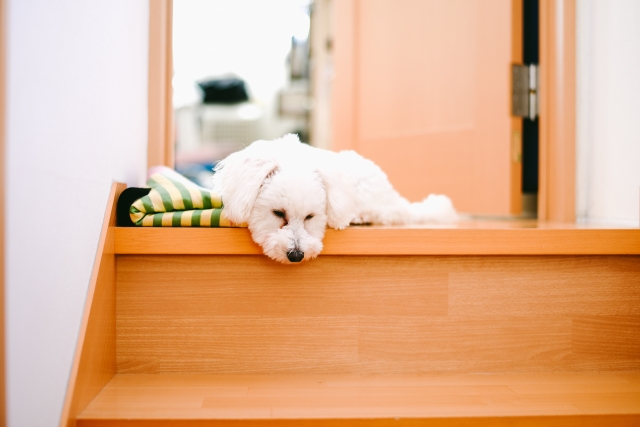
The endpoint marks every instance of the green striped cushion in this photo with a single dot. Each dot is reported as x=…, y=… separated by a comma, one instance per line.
x=174, y=201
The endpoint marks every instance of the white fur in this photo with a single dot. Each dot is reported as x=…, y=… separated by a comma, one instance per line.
x=337, y=189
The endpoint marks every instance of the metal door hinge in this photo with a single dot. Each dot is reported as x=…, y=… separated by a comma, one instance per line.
x=524, y=91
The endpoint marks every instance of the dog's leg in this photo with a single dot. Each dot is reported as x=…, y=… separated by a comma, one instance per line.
x=398, y=211
x=435, y=208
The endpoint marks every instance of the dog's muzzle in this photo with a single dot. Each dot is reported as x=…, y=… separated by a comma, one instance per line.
x=295, y=255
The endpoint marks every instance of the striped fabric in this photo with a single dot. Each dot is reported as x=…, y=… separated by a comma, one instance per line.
x=174, y=201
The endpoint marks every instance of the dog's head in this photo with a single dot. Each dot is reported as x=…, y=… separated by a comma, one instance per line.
x=287, y=200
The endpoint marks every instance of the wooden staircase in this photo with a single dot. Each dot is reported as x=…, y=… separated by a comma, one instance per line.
x=506, y=324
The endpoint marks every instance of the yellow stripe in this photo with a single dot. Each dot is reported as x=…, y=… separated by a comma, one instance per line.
x=156, y=201
x=147, y=221
x=167, y=219
x=176, y=197
x=205, y=219
x=216, y=200
x=196, y=197
x=224, y=221
x=139, y=205
x=193, y=189
x=135, y=217
x=185, y=220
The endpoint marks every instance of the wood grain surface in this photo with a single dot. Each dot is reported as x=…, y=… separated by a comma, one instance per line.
x=448, y=122
x=377, y=314
x=469, y=238
x=557, y=110
x=94, y=363
x=517, y=51
x=161, y=136
x=524, y=399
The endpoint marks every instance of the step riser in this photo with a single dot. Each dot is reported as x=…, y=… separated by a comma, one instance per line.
x=377, y=314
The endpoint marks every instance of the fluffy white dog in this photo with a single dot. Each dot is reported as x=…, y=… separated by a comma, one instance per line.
x=288, y=193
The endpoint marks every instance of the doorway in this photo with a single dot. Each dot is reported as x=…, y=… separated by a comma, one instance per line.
x=530, y=145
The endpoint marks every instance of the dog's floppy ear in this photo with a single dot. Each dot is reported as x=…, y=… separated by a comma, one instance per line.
x=238, y=178
x=340, y=198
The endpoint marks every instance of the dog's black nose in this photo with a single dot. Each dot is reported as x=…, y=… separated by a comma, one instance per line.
x=295, y=255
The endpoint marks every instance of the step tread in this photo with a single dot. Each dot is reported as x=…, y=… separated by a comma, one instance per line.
x=465, y=238
x=148, y=397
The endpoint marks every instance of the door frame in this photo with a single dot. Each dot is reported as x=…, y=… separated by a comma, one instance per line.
x=557, y=94
x=161, y=141
x=517, y=57
x=557, y=137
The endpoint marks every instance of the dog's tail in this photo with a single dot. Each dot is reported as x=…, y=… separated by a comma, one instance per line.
x=435, y=208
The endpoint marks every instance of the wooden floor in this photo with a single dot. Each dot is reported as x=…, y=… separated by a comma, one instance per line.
x=497, y=399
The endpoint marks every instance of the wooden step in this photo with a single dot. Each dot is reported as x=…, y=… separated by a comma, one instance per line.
x=516, y=399
x=522, y=237
x=390, y=325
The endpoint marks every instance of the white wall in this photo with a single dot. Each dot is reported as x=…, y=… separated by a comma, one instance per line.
x=77, y=119
x=608, y=111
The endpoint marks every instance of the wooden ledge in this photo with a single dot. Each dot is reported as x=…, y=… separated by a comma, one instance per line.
x=468, y=238
x=509, y=399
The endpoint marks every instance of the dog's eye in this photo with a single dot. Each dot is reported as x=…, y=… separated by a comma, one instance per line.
x=279, y=214
x=309, y=217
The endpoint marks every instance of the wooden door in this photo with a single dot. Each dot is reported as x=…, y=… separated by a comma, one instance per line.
x=422, y=87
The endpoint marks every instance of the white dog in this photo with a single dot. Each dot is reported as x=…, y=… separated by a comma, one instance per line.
x=288, y=193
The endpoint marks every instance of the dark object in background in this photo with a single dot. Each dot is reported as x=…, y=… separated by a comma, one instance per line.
x=530, y=146
x=126, y=199
x=223, y=91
